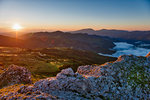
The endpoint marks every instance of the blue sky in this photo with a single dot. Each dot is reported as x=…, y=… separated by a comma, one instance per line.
x=75, y=14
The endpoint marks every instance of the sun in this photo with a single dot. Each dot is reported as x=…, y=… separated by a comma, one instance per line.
x=17, y=27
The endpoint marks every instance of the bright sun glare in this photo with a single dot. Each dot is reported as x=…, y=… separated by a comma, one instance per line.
x=16, y=27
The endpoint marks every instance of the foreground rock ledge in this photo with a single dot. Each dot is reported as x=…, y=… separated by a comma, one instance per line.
x=126, y=78
x=14, y=75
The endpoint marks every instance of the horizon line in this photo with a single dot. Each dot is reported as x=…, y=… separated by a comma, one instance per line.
x=51, y=30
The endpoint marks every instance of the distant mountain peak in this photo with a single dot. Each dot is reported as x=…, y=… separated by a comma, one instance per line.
x=88, y=29
x=103, y=29
x=58, y=31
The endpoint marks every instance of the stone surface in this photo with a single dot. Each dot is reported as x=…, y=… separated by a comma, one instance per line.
x=14, y=75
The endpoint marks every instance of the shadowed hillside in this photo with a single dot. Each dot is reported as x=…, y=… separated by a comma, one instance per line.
x=76, y=41
x=60, y=39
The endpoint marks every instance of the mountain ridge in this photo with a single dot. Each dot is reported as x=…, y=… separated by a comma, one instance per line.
x=113, y=33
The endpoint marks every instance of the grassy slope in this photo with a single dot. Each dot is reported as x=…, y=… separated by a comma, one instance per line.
x=48, y=62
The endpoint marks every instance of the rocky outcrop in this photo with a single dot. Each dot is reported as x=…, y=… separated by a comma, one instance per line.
x=126, y=79
x=14, y=75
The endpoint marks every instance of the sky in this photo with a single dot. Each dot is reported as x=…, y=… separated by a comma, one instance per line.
x=68, y=15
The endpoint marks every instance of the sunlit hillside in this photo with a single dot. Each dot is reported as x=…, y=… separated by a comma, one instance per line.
x=49, y=61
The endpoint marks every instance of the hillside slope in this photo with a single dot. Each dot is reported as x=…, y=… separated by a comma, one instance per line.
x=6, y=41
x=76, y=41
x=49, y=61
x=59, y=39
x=127, y=78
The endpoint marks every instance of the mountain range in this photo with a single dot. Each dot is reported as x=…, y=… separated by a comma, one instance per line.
x=122, y=34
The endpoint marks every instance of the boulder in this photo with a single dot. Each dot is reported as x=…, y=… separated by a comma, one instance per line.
x=15, y=75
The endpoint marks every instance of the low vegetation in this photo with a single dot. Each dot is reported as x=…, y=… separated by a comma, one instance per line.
x=48, y=62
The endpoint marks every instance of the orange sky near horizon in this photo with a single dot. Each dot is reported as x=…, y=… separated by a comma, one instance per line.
x=27, y=29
